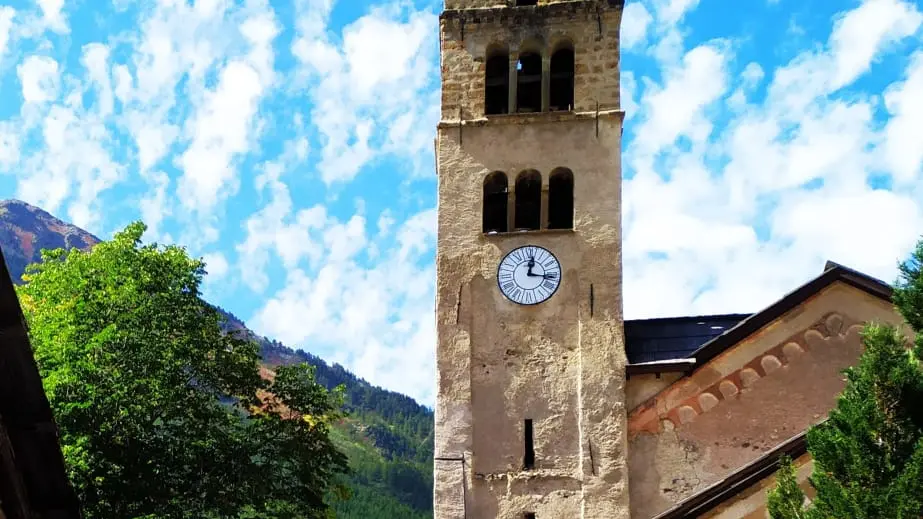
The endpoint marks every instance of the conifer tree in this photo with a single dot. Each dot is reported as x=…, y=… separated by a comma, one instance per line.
x=868, y=455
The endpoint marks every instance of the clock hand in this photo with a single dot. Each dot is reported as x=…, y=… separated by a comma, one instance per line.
x=549, y=276
x=531, y=264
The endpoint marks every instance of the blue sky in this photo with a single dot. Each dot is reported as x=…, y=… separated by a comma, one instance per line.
x=289, y=143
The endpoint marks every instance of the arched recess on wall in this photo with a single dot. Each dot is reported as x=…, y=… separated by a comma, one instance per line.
x=529, y=82
x=496, y=199
x=561, y=199
x=528, y=214
x=497, y=81
x=561, y=84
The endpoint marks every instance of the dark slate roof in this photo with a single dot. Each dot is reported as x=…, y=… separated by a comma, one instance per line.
x=649, y=340
x=33, y=482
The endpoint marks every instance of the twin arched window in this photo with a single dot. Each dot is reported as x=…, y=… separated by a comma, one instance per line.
x=527, y=201
x=531, y=94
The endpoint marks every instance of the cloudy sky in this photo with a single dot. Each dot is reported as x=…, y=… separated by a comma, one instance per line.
x=289, y=142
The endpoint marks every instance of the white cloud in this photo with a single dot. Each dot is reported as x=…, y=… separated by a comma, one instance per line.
x=859, y=36
x=6, y=24
x=784, y=186
x=224, y=124
x=676, y=109
x=369, y=91
x=74, y=161
x=752, y=75
x=53, y=15
x=839, y=225
x=273, y=228
x=865, y=31
x=216, y=265
x=635, y=21
x=220, y=131
x=154, y=205
x=374, y=319
x=670, y=12
x=9, y=146
x=96, y=60
x=903, y=143
x=38, y=76
x=76, y=155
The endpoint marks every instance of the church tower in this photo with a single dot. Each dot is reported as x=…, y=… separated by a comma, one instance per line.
x=530, y=411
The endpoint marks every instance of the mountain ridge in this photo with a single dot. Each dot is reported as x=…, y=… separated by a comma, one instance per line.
x=387, y=436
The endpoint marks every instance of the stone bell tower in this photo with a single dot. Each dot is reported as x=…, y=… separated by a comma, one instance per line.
x=530, y=411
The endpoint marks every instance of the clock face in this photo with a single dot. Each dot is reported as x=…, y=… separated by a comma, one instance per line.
x=529, y=275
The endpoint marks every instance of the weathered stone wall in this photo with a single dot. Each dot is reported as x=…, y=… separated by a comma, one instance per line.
x=592, y=27
x=560, y=363
x=770, y=387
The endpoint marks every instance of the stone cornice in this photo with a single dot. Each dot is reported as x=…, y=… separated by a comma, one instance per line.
x=532, y=118
x=529, y=14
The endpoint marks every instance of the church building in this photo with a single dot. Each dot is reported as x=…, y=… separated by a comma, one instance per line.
x=549, y=404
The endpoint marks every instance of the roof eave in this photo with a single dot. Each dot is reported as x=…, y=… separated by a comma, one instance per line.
x=661, y=366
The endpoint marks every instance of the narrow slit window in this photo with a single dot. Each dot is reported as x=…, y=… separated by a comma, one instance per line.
x=528, y=201
x=496, y=196
x=528, y=515
x=561, y=199
x=528, y=462
x=518, y=4
x=561, y=85
x=497, y=84
x=529, y=83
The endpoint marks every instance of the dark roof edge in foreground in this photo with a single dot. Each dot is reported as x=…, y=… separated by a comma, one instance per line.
x=832, y=272
x=738, y=481
x=33, y=482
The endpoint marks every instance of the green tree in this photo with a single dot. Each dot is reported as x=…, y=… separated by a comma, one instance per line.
x=868, y=455
x=162, y=415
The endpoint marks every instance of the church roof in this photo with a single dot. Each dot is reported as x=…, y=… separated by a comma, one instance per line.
x=694, y=341
x=33, y=482
x=652, y=340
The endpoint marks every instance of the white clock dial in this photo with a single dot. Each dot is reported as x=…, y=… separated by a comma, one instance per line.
x=529, y=275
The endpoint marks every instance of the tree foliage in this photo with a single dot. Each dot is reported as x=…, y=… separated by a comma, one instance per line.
x=868, y=455
x=161, y=414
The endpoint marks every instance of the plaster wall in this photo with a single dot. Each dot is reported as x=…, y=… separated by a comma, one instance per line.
x=643, y=387
x=771, y=386
x=560, y=363
x=590, y=26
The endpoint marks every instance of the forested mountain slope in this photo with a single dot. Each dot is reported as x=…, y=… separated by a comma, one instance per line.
x=387, y=436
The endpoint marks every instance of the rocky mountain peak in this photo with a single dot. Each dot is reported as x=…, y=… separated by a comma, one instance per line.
x=25, y=230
